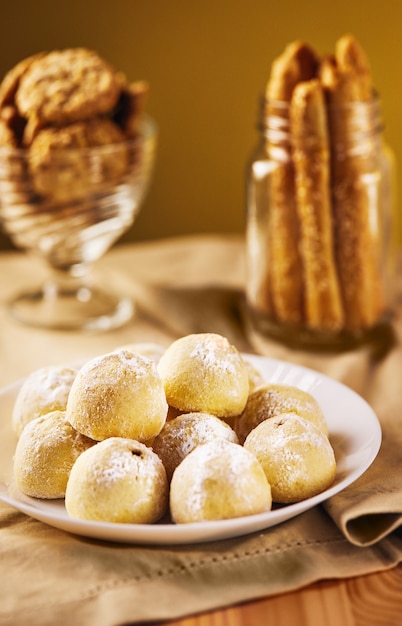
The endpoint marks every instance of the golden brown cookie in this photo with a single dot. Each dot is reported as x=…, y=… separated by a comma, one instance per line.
x=12, y=164
x=11, y=80
x=15, y=124
x=31, y=129
x=130, y=107
x=67, y=86
x=7, y=137
x=61, y=167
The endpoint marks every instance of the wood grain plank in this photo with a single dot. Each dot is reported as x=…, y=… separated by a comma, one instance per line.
x=371, y=600
x=376, y=599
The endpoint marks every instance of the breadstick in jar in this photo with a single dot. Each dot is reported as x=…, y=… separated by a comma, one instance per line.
x=311, y=157
x=348, y=84
x=298, y=62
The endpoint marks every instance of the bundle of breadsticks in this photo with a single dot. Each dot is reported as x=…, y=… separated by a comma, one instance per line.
x=323, y=266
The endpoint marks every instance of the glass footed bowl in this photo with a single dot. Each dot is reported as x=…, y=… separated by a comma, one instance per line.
x=69, y=207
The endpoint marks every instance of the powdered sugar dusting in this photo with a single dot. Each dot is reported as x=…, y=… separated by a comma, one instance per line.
x=274, y=399
x=56, y=383
x=187, y=431
x=112, y=366
x=118, y=466
x=297, y=457
x=45, y=453
x=215, y=352
x=227, y=473
x=45, y=390
x=120, y=458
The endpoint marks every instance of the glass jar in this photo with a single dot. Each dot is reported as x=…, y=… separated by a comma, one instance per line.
x=320, y=238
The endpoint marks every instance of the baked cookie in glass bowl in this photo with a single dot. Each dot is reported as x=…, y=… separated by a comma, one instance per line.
x=73, y=180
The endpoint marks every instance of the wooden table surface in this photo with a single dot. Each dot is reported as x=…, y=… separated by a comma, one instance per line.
x=371, y=600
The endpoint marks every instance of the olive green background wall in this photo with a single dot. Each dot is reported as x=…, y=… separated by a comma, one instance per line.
x=207, y=63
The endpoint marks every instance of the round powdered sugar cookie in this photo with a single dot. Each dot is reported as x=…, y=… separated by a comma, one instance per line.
x=296, y=456
x=272, y=399
x=44, y=391
x=203, y=372
x=45, y=453
x=67, y=86
x=149, y=349
x=118, y=394
x=184, y=433
x=218, y=480
x=118, y=480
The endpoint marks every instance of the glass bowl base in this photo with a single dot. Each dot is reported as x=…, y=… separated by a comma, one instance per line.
x=81, y=309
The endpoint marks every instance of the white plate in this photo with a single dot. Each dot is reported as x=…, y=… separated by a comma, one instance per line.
x=354, y=431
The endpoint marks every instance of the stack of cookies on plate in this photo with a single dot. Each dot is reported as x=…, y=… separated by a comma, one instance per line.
x=187, y=433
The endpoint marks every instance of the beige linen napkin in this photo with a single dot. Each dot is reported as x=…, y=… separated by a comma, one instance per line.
x=372, y=507
x=181, y=286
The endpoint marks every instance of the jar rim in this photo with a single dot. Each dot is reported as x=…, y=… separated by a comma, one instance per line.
x=277, y=111
x=285, y=104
